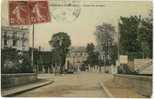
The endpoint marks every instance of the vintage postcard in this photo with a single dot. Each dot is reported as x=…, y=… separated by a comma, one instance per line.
x=77, y=48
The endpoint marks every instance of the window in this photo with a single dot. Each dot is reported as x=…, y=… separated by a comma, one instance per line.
x=5, y=42
x=5, y=35
x=14, y=35
x=23, y=36
x=23, y=43
x=14, y=42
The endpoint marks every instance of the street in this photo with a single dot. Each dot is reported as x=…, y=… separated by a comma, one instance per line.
x=82, y=84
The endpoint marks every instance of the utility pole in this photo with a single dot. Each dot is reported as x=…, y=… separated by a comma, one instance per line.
x=32, y=52
x=118, y=43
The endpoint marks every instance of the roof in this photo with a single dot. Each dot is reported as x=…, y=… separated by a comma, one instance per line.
x=77, y=49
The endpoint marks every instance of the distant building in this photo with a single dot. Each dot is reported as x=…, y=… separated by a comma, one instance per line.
x=14, y=37
x=76, y=56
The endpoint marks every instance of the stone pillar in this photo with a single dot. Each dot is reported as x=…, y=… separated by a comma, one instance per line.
x=89, y=68
x=78, y=68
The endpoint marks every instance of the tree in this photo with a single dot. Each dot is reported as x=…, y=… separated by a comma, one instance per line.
x=104, y=37
x=24, y=66
x=15, y=61
x=135, y=37
x=9, y=60
x=145, y=36
x=92, y=58
x=114, y=54
x=60, y=43
x=129, y=44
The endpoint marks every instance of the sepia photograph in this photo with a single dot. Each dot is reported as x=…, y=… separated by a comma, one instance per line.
x=77, y=48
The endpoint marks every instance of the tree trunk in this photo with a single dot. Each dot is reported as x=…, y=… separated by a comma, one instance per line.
x=99, y=68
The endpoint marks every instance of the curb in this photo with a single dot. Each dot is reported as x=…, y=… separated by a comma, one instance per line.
x=106, y=90
x=12, y=93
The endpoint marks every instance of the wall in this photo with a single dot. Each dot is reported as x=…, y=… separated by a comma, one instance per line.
x=11, y=80
x=142, y=84
x=139, y=63
x=131, y=65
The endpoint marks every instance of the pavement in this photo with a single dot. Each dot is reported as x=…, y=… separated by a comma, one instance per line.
x=82, y=84
x=24, y=88
x=115, y=91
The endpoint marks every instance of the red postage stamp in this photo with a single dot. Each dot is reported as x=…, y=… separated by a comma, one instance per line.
x=19, y=13
x=39, y=11
x=28, y=12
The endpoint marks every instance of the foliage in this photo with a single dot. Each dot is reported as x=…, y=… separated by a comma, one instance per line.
x=135, y=37
x=93, y=57
x=56, y=60
x=124, y=69
x=90, y=48
x=104, y=37
x=145, y=37
x=25, y=66
x=135, y=55
x=60, y=43
x=114, y=54
x=13, y=62
x=8, y=60
x=128, y=35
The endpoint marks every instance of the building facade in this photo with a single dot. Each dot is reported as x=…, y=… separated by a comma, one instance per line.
x=76, y=57
x=14, y=37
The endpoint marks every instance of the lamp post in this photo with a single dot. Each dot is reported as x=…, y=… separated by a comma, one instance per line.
x=32, y=51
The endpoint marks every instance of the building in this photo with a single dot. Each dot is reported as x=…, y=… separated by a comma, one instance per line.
x=76, y=57
x=15, y=37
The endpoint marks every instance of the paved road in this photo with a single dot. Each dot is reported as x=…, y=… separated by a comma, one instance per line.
x=70, y=85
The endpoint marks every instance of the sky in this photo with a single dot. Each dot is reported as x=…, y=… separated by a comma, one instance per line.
x=81, y=30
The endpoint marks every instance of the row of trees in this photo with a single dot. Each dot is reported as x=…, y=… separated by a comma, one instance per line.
x=135, y=41
x=14, y=61
x=105, y=53
x=136, y=36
